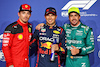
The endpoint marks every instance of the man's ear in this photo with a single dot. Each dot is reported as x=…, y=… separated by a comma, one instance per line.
x=44, y=17
x=56, y=16
x=18, y=14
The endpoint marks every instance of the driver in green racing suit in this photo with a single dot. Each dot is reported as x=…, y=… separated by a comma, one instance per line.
x=80, y=40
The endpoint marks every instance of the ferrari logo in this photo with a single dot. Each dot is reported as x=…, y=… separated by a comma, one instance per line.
x=26, y=6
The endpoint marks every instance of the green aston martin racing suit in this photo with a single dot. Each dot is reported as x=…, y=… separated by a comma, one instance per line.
x=82, y=38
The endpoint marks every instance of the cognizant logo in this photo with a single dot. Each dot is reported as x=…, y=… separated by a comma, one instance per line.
x=83, y=4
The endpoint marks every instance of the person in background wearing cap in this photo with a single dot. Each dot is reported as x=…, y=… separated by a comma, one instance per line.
x=80, y=40
x=16, y=39
x=49, y=35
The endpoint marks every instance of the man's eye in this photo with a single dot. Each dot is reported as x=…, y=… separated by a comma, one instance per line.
x=71, y=15
x=23, y=13
x=28, y=13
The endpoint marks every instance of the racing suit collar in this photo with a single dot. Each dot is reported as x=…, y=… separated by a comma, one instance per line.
x=50, y=26
x=21, y=23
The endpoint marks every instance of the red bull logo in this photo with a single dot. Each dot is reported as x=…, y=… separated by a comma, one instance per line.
x=46, y=45
x=62, y=49
x=47, y=51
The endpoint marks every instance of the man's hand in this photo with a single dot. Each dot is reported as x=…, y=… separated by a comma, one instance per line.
x=11, y=66
x=74, y=51
x=39, y=26
x=55, y=47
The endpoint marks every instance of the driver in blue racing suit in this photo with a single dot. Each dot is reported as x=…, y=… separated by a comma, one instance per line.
x=45, y=37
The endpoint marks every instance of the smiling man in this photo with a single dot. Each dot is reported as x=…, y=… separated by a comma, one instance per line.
x=80, y=40
x=49, y=37
x=16, y=39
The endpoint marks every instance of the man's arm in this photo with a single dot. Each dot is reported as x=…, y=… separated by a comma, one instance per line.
x=6, y=45
x=74, y=51
x=89, y=42
x=38, y=27
x=62, y=41
x=34, y=37
x=61, y=46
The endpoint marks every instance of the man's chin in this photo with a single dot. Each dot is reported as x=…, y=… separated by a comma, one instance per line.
x=74, y=24
x=25, y=21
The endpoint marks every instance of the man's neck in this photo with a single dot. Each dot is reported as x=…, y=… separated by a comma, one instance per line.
x=22, y=21
x=51, y=25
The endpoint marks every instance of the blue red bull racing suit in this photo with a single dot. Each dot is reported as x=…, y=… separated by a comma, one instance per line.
x=45, y=37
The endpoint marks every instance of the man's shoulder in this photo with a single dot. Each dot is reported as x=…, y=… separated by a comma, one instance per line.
x=60, y=29
x=65, y=26
x=10, y=26
x=29, y=23
x=85, y=26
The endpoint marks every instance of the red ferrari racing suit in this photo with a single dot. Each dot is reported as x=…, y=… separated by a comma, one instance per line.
x=16, y=39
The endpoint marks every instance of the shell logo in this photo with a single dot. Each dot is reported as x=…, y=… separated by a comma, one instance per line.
x=56, y=32
x=20, y=36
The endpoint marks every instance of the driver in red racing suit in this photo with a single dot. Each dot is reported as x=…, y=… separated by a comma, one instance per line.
x=16, y=39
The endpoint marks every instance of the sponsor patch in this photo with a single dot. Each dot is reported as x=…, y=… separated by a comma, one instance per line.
x=43, y=30
x=20, y=36
x=56, y=32
x=29, y=30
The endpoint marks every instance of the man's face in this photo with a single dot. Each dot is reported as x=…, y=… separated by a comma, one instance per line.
x=74, y=19
x=50, y=19
x=24, y=16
